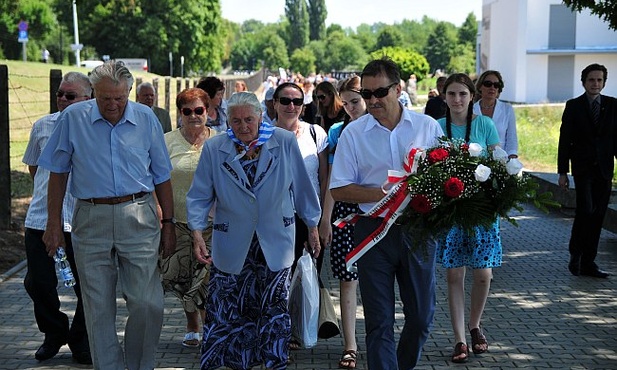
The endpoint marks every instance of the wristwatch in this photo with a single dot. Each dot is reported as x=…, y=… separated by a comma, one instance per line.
x=169, y=220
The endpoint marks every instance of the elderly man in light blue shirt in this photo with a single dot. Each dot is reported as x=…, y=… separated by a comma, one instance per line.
x=116, y=154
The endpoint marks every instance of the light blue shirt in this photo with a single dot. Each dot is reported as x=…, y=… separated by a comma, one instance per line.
x=36, y=218
x=108, y=160
x=483, y=131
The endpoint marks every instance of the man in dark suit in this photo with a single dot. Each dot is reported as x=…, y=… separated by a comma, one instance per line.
x=588, y=139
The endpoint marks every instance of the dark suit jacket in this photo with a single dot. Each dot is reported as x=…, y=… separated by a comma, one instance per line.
x=585, y=144
x=163, y=117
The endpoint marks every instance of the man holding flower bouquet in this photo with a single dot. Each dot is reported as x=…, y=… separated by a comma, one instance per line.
x=367, y=149
x=481, y=249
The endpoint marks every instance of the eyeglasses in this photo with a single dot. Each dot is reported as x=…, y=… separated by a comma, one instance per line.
x=198, y=111
x=321, y=97
x=68, y=95
x=379, y=93
x=286, y=101
x=496, y=85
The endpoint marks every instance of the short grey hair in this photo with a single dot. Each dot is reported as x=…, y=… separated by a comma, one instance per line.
x=80, y=79
x=146, y=85
x=242, y=99
x=115, y=71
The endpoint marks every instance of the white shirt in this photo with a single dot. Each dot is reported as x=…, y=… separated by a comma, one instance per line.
x=36, y=217
x=366, y=150
x=310, y=150
x=505, y=122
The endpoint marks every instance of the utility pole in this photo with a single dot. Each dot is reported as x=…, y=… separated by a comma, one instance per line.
x=77, y=46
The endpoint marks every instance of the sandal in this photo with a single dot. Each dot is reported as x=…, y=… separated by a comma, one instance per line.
x=479, y=344
x=348, y=360
x=191, y=339
x=294, y=345
x=461, y=353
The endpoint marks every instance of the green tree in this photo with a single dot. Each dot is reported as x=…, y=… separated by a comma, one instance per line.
x=389, y=36
x=242, y=54
x=365, y=35
x=298, y=27
x=318, y=47
x=605, y=10
x=408, y=61
x=41, y=22
x=317, y=19
x=469, y=30
x=271, y=49
x=343, y=53
x=463, y=59
x=439, y=47
x=303, y=61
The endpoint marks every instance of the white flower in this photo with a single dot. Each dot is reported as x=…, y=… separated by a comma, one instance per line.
x=514, y=166
x=500, y=155
x=482, y=173
x=475, y=149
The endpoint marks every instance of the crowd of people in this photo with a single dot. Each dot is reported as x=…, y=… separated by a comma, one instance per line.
x=218, y=210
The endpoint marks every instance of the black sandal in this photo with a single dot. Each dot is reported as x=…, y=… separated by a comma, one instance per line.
x=479, y=344
x=348, y=360
x=459, y=350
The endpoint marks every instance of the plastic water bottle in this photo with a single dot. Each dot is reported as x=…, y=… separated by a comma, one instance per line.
x=64, y=268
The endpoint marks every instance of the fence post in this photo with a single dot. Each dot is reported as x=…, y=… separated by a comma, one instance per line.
x=138, y=82
x=167, y=93
x=5, y=156
x=55, y=79
x=155, y=84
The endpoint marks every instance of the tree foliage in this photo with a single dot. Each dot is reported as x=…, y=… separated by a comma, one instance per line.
x=389, y=36
x=408, y=61
x=469, y=30
x=440, y=45
x=317, y=19
x=605, y=9
x=303, y=61
x=298, y=27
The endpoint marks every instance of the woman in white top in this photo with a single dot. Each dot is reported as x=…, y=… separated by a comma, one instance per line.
x=489, y=86
x=313, y=142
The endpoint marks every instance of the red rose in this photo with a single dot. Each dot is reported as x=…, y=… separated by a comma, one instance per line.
x=465, y=147
x=420, y=203
x=454, y=187
x=437, y=155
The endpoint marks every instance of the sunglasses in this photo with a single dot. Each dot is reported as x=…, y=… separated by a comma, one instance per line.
x=496, y=85
x=378, y=93
x=68, y=95
x=198, y=111
x=321, y=97
x=286, y=101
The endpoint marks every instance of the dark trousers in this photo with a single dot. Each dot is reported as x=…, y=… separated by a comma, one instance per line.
x=388, y=260
x=592, y=195
x=41, y=283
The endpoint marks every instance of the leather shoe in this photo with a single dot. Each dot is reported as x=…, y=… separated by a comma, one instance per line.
x=82, y=357
x=594, y=272
x=575, y=265
x=47, y=350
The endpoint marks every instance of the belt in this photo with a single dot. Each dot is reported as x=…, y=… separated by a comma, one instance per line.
x=116, y=200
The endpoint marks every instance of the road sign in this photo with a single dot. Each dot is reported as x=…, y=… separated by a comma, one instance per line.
x=22, y=26
x=22, y=36
x=75, y=47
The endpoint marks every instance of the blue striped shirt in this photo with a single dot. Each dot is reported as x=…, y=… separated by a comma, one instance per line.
x=36, y=218
x=108, y=160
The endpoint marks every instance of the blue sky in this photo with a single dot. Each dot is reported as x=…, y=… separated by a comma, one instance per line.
x=351, y=13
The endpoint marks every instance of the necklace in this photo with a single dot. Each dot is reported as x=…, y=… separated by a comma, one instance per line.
x=486, y=106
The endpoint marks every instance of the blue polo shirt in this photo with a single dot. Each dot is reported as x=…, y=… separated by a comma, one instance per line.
x=107, y=160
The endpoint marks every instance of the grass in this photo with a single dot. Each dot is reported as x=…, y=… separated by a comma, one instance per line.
x=537, y=125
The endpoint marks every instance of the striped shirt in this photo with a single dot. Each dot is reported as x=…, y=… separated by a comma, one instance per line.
x=36, y=218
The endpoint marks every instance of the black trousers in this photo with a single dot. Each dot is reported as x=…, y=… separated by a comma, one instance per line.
x=592, y=196
x=41, y=284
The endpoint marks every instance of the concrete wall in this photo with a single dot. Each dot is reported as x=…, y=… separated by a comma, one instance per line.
x=517, y=46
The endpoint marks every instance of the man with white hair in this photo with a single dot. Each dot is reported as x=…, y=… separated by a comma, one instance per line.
x=146, y=95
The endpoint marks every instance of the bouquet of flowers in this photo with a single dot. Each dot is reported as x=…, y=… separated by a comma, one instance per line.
x=454, y=184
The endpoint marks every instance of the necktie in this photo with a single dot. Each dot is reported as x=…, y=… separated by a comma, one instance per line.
x=595, y=111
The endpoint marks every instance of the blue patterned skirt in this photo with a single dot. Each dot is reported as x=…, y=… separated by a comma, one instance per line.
x=247, y=321
x=482, y=250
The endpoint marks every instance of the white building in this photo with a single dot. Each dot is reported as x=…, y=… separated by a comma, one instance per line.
x=541, y=47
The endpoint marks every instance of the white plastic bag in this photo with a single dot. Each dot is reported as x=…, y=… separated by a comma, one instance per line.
x=304, y=302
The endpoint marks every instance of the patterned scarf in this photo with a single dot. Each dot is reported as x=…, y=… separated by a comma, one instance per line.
x=265, y=132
